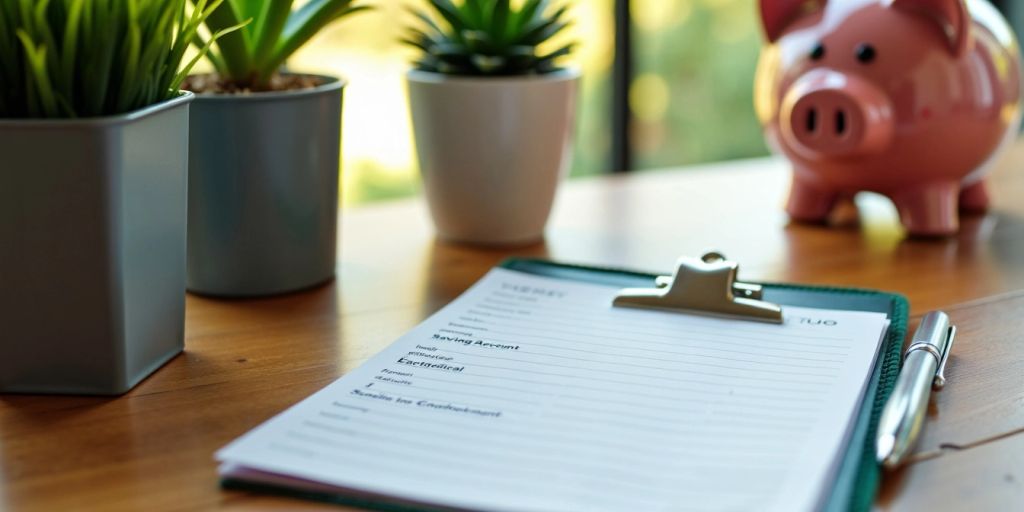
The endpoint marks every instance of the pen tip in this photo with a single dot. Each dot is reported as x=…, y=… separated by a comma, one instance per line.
x=883, y=449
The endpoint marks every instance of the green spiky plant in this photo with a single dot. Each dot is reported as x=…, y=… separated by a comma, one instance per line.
x=488, y=37
x=86, y=58
x=249, y=58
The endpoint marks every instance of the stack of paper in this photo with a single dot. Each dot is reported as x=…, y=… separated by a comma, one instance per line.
x=529, y=393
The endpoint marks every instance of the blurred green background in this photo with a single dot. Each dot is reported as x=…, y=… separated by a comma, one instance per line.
x=690, y=96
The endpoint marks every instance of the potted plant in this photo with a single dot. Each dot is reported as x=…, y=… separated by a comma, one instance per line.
x=93, y=133
x=492, y=116
x=263, y=170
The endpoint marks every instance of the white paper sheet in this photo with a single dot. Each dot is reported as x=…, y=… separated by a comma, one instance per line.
x=534, y=394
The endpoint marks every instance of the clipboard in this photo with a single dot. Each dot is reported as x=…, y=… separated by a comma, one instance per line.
x=856, y=479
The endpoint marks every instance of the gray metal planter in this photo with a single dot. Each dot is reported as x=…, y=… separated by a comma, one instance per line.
x=263, y=191
x=92, y=249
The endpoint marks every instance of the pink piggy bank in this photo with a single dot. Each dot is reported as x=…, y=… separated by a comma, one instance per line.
x=911, y=99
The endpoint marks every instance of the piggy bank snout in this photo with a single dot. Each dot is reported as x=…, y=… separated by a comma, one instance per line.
x=827, y=114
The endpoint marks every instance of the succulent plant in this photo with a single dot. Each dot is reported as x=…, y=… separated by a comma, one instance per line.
x=85, y=58
x=488, y=37
x=250, y=57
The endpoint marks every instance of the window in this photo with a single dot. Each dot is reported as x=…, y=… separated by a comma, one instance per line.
x=689, y=95
x=691, y=92
x=378, y=152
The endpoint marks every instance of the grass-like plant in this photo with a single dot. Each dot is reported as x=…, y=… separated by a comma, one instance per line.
x=249, y=58
x=488, y=37
x=86, y=58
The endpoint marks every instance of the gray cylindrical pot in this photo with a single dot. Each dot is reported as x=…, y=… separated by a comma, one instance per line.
x=92, y=249
x=263, y=190
x=492, y=151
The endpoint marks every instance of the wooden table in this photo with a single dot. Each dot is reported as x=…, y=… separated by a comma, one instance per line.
x=247, y=360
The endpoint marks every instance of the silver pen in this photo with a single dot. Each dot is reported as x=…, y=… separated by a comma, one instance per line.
x=924, y=367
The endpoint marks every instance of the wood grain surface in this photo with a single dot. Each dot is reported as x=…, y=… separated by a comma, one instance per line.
x=971, y=454
x=247, y=360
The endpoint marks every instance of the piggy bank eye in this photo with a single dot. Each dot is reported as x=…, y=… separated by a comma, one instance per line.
x=818, y=52
x=865, y=53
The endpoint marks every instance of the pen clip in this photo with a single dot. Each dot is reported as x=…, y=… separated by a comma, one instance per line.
x=940, y=375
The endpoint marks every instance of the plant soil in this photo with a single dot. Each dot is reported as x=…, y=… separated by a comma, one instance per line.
x=212, y=83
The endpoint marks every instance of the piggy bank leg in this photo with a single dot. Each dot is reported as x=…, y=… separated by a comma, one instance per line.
x=809, y=202
x=974, y=198
x=930, y=210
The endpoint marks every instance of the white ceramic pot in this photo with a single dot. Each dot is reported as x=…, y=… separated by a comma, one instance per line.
x=492, y=151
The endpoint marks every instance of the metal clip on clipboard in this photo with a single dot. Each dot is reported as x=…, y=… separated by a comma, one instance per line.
x=705, y=286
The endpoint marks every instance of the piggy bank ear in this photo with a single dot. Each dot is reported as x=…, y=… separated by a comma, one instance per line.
x=951, y=15
x=776, y=15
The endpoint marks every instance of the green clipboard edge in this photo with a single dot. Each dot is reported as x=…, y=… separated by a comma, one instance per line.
x=858, y=476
